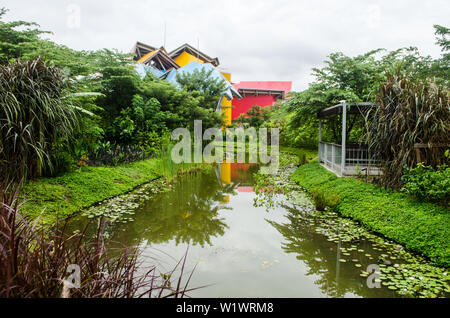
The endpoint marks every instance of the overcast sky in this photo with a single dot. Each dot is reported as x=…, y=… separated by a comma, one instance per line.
x=254, y=40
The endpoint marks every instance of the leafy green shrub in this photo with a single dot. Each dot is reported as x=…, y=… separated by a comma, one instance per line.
x=333, y=200
x=150, y=141
x=323, y=199
x=62, y=162
x=302, y=159
x=319, y=199
x=108, y=154
x=204, y=87
x=255, y=116
x=427, y=183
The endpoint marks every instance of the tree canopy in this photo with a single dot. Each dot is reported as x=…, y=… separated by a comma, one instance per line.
x=358, y=79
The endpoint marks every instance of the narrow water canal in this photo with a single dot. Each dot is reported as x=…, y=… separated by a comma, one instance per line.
x=242, y=250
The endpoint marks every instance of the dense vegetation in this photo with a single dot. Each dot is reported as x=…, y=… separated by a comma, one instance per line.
x=419, y=226
x=94, y=128
x=428, y=183
x=409, y=113
x=34, y=117
x=61, y=111
x=357, y=79
x=412, y=92
x=256, y=117
x=66, y=194
x=126, y=116
x=61, y=196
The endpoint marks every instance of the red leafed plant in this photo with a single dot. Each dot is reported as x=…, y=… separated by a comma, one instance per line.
x=34, y=261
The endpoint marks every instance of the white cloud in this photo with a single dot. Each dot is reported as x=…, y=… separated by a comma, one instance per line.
x=254, y=40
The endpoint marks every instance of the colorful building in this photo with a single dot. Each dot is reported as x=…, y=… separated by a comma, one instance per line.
x=239, y=97
x=158, y=59
x=186, y=54
x=183, y=59
x=258, y=93
x=140, y=49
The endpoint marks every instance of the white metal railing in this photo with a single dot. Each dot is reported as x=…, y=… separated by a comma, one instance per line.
x=330, y=155
x=358, y=155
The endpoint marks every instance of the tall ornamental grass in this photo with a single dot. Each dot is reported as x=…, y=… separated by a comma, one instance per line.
x=410, y=112
x=33, y=117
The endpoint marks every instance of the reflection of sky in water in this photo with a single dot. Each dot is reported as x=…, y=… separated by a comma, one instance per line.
x=247, y=261
x=260, y=268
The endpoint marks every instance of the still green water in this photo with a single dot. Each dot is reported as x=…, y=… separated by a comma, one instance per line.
x=239, y=249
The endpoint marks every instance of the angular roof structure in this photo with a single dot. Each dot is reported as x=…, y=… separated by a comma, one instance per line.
x=140, y=49
x=159, y=60
x=194, y=52
x=279, y=89
x=352, y=108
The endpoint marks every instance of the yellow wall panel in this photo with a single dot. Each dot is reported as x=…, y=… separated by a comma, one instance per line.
x=146, y=56
x=226, y=104
x=186, y=58
x=225, y=172
x=226, y=110
x=227, y=76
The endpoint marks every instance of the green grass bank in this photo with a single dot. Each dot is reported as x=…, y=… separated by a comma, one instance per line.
x=421, y=227
x=61, y=196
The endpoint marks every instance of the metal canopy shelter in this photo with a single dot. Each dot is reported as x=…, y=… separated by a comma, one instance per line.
x=345, y=159
x=351, y=108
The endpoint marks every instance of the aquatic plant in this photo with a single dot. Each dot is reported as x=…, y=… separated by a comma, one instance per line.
x=268, y=188
x=355, y=246
x=400, y=271
x=121, y=209
x=184, y=211
x=421, y=227
x=416, y=280
x=289, y=158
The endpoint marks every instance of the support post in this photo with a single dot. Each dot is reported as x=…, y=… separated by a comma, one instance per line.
x=320, y=130
x=333, y=157
x=344, y=135
x=320, y=139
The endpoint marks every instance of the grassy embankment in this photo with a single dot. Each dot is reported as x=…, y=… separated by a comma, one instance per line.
x=304, y=154
x=420, y=226
x=61, y=196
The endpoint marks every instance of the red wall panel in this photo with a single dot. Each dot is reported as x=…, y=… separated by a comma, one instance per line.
x=241, y=106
